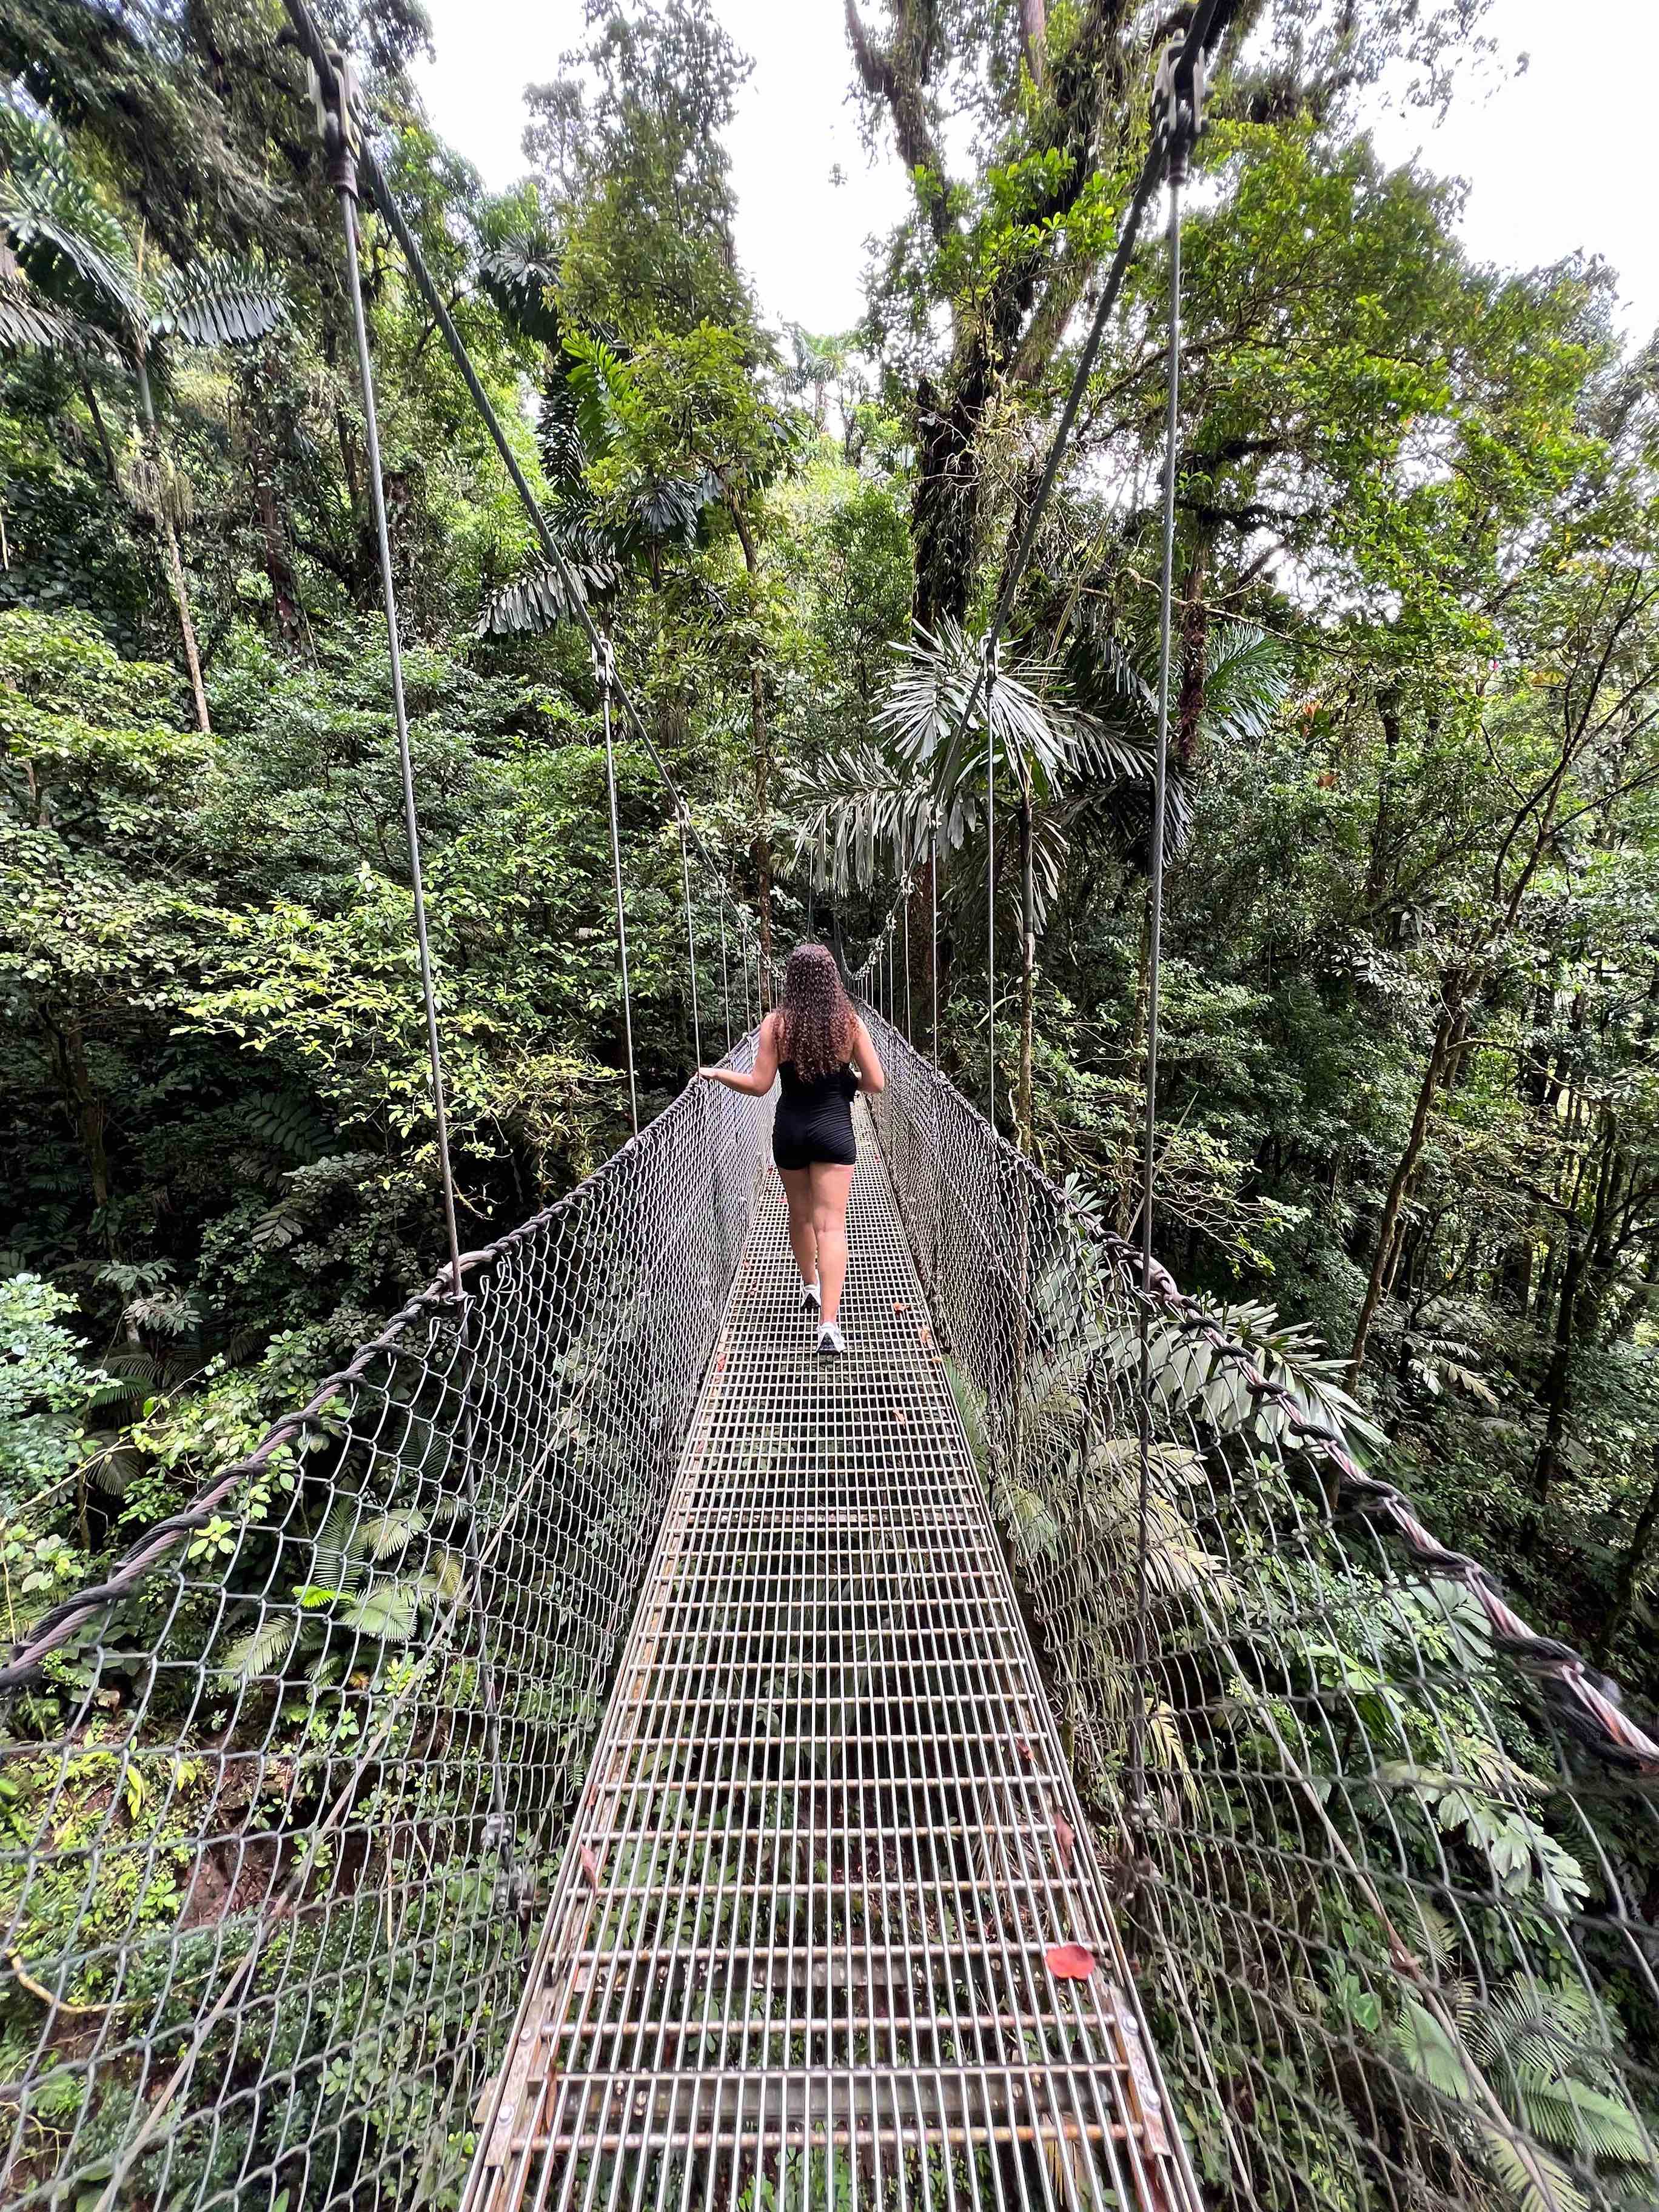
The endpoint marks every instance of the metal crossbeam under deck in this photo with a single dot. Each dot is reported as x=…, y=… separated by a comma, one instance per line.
x=797, y=1954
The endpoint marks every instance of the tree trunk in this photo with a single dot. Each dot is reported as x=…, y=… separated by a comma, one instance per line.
x=1380, y=873
x=175, y=566
x=1034, y=37
x=98, y=424
x=1445, y=1031
x=944, y=505
x=279, y=569
x=66, y=1049
x=1630, y=1569
x=1194, y=661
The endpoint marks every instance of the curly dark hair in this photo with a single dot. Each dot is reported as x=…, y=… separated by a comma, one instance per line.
x=816, y=1022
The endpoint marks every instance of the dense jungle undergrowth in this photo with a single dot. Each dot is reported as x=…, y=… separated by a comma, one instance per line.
x=1410, y=1091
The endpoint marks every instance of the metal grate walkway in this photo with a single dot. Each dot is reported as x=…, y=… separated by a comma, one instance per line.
x=798, y=1950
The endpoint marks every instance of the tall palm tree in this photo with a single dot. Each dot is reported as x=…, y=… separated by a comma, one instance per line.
x=916, y=789
x=73, y=282
x=924, y=785
x=819, y=363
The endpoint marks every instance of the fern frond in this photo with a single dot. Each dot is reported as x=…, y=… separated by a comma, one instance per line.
x=389, y=1615
x=335, y=1564
x=1532, y=2181
x=266, y=1649
x=1572, y=2116
x=382, y=1534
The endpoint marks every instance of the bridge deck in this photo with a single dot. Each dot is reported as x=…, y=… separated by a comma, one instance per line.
x=798, y=1950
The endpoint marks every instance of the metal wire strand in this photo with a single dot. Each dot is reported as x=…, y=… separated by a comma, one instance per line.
x=605, y=682
x=726, y=979
x=1175, y=128
x=690, y=947
x=400, y=713
x=990, y=667
x=932, y=886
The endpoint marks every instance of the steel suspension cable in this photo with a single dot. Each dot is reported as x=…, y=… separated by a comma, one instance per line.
x=690, y=946
x=606, y=668
x=988, y=669
x=909, y=1039
x=726, y=979
x=1180, y=128
x=342, y=176
x=932, y=885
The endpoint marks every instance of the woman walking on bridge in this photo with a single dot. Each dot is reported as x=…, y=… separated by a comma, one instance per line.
x=815, y=1041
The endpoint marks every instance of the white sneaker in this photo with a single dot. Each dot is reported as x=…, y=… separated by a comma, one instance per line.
x=832, y=1344
x=810, y=1301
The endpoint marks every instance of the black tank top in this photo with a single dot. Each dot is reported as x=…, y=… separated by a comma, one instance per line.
x=840, y=1083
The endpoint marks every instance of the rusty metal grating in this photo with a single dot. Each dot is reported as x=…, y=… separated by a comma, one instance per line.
x=797, y=1949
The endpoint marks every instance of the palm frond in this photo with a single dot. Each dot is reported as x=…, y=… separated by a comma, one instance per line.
x=389, y=1612
x=1248, y=679
x=858, y=803
x=335, y=1563
x=521, y=275
x=218, y=301
x=1572, y=2116
x=55, y=220
x=384, y=1533
x=670, y=511
x=543, y=598
x=1429, y=2053
x=28, y=323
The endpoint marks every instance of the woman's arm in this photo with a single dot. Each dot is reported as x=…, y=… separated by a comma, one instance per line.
x=759, y=1077
x=871, y=1074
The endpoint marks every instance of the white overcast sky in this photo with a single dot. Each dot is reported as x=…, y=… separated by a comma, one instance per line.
x=1559, y=157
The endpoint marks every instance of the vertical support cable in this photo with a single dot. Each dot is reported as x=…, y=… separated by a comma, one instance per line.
x=605, y=667
x=342, y=175
x=907, y=1037
x=726, y=977
x=690, y=944
x=990, y=884
x=1179, y=126
x=933, y=880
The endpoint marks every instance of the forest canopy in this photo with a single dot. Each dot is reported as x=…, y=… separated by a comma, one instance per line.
x=1411, y=942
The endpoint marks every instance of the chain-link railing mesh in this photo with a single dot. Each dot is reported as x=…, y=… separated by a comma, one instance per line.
x=1376, y=1844
x=279, y=1800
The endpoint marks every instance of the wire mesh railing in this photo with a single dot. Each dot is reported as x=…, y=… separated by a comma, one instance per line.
x=280, y=1802
x=1374, y=1844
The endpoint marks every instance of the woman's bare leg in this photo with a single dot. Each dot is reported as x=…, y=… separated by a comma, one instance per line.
x=830, y=1185
x=798, y=1191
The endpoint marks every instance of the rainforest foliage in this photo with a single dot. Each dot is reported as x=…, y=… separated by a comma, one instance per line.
x=1411, y=939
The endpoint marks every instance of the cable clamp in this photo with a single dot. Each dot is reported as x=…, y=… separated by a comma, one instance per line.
x=335, y=106
x=990, y=654
x=1178, y=106
x=605, y=665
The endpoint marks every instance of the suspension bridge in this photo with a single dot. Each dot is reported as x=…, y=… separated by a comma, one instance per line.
x=591, y=1753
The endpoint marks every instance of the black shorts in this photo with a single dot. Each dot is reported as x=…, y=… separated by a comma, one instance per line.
x=805, y=1135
